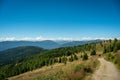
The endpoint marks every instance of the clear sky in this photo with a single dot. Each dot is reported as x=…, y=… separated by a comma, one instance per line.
x=59, y=18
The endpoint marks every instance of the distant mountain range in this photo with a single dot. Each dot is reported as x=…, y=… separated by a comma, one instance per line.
x=76, y=43
x=46, y=44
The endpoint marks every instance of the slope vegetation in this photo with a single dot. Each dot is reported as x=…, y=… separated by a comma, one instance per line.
x=17, y=54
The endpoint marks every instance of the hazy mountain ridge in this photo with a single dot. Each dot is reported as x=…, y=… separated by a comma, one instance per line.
x=76, y=43
x=46, y=44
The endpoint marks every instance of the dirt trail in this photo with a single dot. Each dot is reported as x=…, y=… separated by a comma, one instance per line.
x=106, y=71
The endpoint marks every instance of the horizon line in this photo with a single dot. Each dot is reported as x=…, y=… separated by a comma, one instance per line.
x=53, y=39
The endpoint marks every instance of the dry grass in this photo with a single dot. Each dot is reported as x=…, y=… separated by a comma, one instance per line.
x=35, y=73
x=77, y=70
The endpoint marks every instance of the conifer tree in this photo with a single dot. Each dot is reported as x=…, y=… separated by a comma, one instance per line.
x=85, y=56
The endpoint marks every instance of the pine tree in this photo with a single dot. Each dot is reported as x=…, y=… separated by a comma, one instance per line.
x=85, y=56
x=60, y=60
x=64, y=60
x=115, y=49
x=75, y=57
x=71, y=58
x=104, y=50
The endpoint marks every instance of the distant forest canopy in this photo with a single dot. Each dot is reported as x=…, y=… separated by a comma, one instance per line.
x=17, y=54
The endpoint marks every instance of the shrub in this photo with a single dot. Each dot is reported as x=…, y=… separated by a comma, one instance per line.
x=88, y=69
x=108, y=56
x=75, y=57
x=99, y=55
x=2, y=77
x=85, y=56
x=115, y=60
x=78, y=67
x=115, y=49
x=93, y=52
x=104, y=50
x=71, y=58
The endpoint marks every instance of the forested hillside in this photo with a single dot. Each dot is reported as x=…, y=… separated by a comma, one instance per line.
x=62, y=55
x=15, y=55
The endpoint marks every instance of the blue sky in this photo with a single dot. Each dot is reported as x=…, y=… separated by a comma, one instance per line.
x=59, y=19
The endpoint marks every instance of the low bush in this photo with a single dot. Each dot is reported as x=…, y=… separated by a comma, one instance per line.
x=78, y=67
x=93, y=52
x=115, y=58
x=84, y=56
